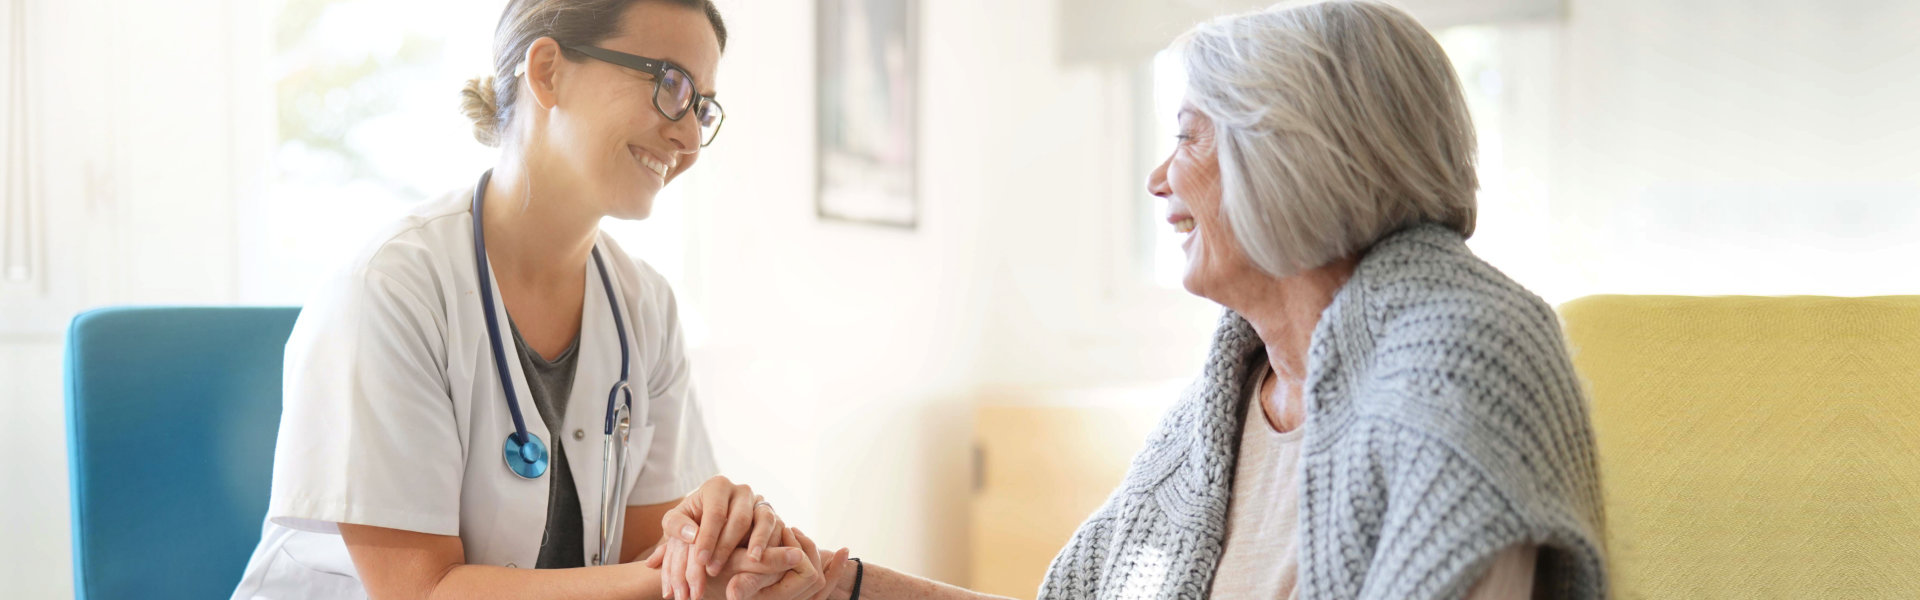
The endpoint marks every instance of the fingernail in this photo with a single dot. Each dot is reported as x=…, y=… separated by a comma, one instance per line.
x=758, y=553
x=793, y=555
x=687, y=532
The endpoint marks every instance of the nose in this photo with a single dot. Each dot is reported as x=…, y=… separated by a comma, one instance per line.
x=684, y=134
x=1157, y=181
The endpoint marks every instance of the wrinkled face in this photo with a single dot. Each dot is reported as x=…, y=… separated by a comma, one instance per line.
x=604, y=126
x=1190, y=181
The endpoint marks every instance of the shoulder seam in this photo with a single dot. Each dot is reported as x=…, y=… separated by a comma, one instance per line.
x=395, y=236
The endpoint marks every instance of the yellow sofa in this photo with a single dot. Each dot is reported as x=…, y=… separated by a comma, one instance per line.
x=1756, y=447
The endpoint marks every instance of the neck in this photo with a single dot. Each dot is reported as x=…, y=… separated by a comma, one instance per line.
x=1283, y=312
x=538, y=231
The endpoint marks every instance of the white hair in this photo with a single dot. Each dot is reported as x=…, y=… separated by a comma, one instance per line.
x=1336, y=123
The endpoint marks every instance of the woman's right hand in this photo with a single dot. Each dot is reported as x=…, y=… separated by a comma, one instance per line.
x=808, y=581
x=795, y=570
x=700, y=535
x=707, y=528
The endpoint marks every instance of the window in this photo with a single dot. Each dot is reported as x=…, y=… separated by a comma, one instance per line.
x=1505, y=74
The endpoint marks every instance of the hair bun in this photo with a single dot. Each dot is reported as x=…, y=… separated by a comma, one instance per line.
x=481, y=105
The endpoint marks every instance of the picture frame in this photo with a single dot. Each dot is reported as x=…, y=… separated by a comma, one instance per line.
x=868, y=112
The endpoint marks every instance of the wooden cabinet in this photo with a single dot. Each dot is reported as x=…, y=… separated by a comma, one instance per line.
x=1043, y=462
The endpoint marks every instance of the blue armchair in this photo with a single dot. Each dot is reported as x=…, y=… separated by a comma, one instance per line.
x=171, y=419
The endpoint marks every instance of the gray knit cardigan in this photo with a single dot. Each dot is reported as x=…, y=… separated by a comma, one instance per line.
x=1444, y=424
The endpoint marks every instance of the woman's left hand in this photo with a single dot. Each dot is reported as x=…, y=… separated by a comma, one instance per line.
x=700, y=534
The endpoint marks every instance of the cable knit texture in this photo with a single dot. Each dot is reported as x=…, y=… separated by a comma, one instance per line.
x=1444, y=424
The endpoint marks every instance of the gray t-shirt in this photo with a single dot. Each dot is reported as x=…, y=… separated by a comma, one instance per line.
x=551, y=383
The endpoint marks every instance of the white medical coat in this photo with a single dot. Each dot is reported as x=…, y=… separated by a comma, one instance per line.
x=393, y=414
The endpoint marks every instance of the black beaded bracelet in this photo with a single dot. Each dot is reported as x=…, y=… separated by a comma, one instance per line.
x=859, y=572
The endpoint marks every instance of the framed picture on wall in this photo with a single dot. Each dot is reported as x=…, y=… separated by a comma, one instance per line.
x=868, y=97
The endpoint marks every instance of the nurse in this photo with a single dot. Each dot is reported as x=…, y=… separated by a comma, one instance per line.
x=493, y=399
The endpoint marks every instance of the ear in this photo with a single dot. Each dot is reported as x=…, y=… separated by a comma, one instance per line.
x=542, y=65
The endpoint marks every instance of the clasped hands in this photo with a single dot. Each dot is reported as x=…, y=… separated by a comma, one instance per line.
x=725, y=541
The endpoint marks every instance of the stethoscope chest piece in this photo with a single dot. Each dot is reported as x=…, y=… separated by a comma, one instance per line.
x=528, y=460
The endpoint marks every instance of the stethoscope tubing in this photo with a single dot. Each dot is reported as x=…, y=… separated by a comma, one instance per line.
x=619, y=324
x=486, y=304
x=620, y=395
x=522, y=444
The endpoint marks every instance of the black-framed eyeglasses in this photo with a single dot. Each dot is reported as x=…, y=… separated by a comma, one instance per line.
x=673, y=89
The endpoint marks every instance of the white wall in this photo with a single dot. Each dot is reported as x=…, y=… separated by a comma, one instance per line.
x=37, y=562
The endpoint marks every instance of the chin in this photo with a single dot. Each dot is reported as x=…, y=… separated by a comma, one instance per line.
x=634, y=213
x=1207, y=279
x=635, y=206
x=1195, y=281
x=1197, y=277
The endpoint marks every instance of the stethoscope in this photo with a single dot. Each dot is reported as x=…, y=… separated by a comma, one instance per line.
x=525, y=454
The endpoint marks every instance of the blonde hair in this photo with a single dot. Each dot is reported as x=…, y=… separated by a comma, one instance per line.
x=1336, y=123
x=488, y=100
x=481, y=104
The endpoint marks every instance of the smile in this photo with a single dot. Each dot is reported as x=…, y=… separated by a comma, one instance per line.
x=659, y=167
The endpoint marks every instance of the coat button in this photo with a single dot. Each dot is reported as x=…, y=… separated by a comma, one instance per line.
x=596, y=560
x=579, y=434
x=512, y=566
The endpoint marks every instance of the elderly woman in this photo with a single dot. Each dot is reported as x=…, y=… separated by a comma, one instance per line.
x=1383, y=414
